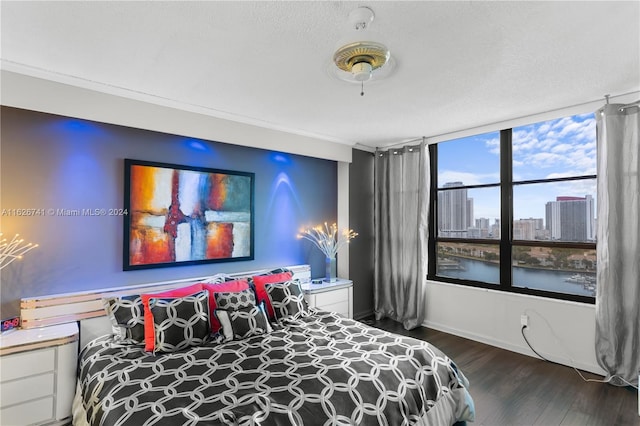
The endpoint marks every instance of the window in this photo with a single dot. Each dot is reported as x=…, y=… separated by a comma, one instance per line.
x=515, y=210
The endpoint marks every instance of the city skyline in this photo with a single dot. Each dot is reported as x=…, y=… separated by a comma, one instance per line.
x=567, y=218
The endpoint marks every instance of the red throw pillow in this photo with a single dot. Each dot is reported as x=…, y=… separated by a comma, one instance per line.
x=149, y=333
x=225, y=287
x=261, y=293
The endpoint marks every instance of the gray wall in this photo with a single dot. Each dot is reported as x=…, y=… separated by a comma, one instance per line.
x=361, y=220
x=49, y=161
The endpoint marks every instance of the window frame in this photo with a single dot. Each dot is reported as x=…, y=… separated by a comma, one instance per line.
x=506, y=243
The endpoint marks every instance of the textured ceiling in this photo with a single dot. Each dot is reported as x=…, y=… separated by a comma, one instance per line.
x=458, y=65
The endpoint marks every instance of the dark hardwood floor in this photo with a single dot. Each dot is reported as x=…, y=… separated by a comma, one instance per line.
x=513, y=389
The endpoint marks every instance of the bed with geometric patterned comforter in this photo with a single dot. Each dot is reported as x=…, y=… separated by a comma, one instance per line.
x=318, y=369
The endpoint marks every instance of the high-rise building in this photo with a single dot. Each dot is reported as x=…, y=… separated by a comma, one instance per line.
x=473, y=232
x=484, y=225
x=453, y=211
x=525, y=229
x=495, y=229
x=552, y=219
x=571, y=218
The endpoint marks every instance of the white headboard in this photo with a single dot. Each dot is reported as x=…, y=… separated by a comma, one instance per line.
x=86, y=306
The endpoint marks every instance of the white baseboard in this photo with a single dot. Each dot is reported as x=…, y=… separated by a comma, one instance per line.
x=521, y=349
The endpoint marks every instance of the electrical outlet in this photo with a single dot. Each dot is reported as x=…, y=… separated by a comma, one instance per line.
x=524, y=320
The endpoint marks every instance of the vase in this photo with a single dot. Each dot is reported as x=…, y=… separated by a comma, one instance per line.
x=330, y=272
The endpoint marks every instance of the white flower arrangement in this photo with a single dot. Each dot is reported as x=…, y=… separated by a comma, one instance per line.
x=327, y=238
x=13, y=250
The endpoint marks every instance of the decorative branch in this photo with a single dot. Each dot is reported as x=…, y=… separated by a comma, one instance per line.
x=327, y=238
x=14, y=249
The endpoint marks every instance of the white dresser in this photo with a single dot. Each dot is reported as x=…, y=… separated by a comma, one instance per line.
x=38, y=375
x=335, y=296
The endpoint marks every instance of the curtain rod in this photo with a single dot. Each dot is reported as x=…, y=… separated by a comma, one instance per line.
x=632, y=104
x=512, y=119
x=400, y=143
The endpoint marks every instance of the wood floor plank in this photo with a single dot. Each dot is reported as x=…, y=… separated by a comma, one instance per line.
x=514, y=389
x=629, y=404
x=559, y=392
x=584, y=411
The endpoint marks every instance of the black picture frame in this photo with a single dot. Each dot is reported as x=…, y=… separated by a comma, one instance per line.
x=177, y=215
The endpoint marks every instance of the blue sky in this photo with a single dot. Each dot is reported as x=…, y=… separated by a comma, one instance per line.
x=550, y=149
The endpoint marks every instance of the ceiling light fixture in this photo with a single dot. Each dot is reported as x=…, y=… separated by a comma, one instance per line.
x=361, y=57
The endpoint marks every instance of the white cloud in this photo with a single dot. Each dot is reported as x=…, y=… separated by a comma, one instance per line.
x=583, y=187
x=493, y=145
x=563, y=147
x=560, y=148
x=544, y=128
x=544, y=159
x=566, y=144
x=556, y=175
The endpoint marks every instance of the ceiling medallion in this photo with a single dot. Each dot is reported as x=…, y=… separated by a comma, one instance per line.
x=358, y=59
x=354, y=55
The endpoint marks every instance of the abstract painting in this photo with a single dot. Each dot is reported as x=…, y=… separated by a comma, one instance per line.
x=181, y=215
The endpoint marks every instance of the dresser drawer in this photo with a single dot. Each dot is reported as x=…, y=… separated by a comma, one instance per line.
x=40, y=410
x=341, y=308
x=330, y=297
x=27, y=364
x=38, y=375
x=27, y=389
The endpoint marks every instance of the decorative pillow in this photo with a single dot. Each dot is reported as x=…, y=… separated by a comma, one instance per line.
x=225, y=287
x=287, y=299
x=243, y=323
x=236, y=300
x=126, y=314
x=181, y=322
x=259, y=282
x=149, y=337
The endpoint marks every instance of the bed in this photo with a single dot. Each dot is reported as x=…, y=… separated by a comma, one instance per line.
x=280, y=363
x=316, y=369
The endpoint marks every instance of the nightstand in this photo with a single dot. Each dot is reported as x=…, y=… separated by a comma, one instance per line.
x=38, y=375
x=335, y=296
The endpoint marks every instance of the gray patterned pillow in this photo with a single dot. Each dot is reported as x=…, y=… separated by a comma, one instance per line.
x=243, y=323
x=287, y=299
x=235, y=300
x=126, y=314
x=180, y=322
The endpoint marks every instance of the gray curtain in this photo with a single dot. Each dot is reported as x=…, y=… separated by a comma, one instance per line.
x=401, y=185
x=618, y=247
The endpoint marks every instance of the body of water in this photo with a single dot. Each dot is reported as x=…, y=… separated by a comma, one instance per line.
x=539, y=279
